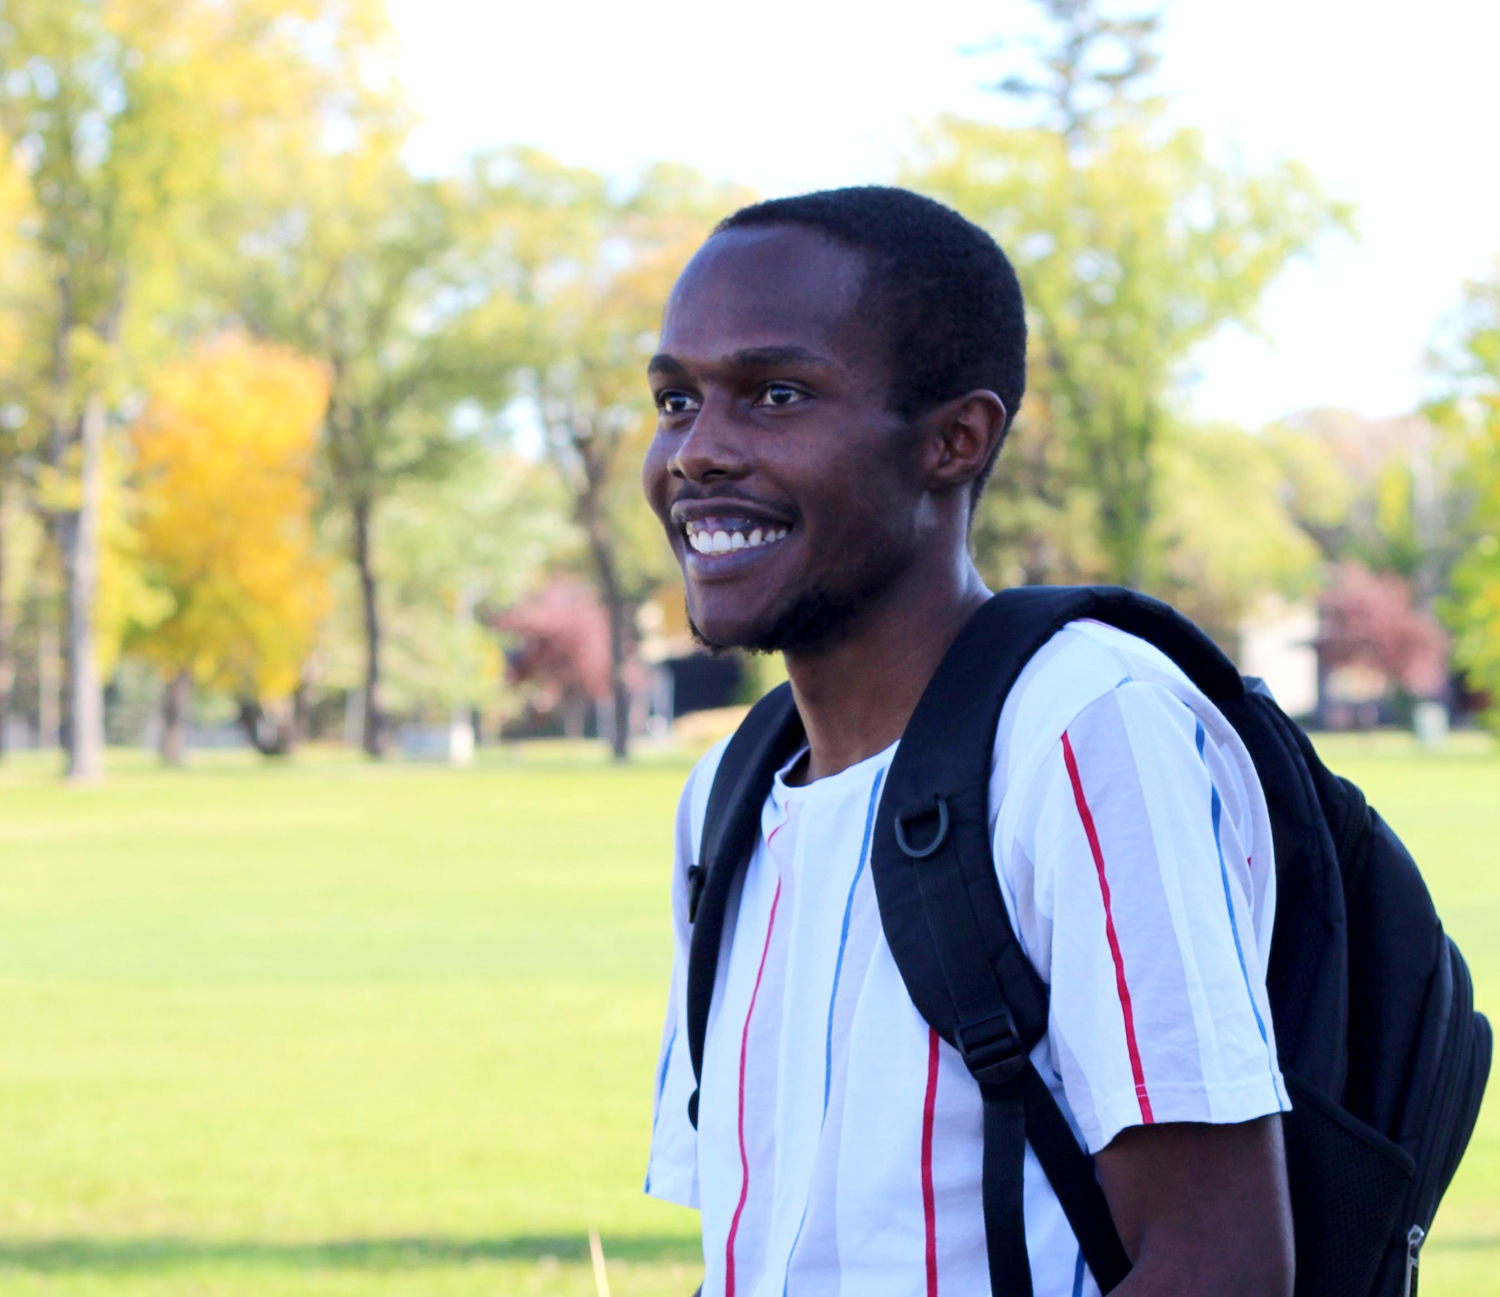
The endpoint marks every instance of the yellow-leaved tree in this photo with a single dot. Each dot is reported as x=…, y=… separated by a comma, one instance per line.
x=138, y=125
x=224, y=453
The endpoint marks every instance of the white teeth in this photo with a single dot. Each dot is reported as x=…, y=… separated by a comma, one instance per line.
x=704, y=541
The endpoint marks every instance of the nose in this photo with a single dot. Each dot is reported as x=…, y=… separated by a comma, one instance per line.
x=712, y=450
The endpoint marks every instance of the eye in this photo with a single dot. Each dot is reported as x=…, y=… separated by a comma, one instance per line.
x=780, y=394
x=673, y=402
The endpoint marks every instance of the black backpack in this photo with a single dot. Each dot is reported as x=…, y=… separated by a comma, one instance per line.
x=1384, y=1058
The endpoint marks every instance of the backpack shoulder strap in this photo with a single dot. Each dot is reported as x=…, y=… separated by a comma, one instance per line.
x=936, y=804
x=950, y=934
x=1201, y=660
x=764, y=742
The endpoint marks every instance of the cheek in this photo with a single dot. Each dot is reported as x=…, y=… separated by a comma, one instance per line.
x=656, y=477
x=878, y=482
x=862, y=515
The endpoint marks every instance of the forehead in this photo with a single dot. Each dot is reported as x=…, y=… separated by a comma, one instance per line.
x=767, y=286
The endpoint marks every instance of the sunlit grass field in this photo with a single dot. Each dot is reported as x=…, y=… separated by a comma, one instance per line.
x=328, y=1029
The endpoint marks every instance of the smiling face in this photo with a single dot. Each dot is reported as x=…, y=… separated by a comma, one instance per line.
x=789, y=490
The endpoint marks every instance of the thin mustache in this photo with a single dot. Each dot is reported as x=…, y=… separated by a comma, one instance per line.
x=718, y=497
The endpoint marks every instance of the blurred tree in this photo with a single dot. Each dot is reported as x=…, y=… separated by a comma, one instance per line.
x=1224, y=537
x=1388, y=493
x=590, y=272
x=1468, y=364
x=1092, y=61
x=128, y=600
x=125, y=116
x=224, y=452
x=1368, y=620
x=365, y=267
x=453, y=552
x=1315, y=485
x=18, y=422
x=1133, y=247
x=560, y=650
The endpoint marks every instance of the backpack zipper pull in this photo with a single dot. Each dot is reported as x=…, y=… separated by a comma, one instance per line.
x=1414, y=1239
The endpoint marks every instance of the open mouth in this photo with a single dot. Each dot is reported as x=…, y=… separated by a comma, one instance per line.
x=713, y=536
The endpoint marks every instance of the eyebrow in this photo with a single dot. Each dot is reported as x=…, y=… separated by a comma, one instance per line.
x=661, y=363
x=748, y=358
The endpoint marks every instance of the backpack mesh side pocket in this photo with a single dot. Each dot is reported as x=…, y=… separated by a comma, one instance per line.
x=1348, y=1186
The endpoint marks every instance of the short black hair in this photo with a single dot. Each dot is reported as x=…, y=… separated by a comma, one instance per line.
x=940, y=286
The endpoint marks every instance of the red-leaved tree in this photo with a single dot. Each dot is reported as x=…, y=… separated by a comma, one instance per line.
x=1368, y=620
x=560, y=648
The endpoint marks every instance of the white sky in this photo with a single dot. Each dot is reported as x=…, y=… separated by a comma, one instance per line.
x=1394, y=106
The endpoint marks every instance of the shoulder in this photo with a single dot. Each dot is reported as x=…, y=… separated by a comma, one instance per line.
x=1082, y=664
x=1105, y=739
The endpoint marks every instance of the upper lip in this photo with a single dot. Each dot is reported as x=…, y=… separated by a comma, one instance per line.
x=686, y=511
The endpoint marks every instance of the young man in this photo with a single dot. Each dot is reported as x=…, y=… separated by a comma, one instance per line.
x=836, y=376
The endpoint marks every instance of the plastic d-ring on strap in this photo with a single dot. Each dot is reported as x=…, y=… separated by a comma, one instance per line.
x=941, y=836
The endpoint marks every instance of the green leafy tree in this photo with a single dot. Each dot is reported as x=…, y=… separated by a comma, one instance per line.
x=1386, y=493
x=1225, y=536
x=589, y=273
x=367, y=267
x=1134, y=247
x=454, y=552
x=18, y=401
x=1468, y=363
x=1091, y=62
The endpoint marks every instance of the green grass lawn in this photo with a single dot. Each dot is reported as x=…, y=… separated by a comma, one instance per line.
x=328, y=1029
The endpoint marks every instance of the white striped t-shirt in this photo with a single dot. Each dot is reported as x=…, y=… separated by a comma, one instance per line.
x=838, y=1148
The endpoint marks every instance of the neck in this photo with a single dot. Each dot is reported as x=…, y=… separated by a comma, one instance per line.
x=855, y=696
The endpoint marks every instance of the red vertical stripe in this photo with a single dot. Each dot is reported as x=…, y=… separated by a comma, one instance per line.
x=1087, y=817
x=734, y=1225
x=929, y=1211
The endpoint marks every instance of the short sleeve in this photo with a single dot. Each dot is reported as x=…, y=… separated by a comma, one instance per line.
x=672, y=1171
x=1133, y=859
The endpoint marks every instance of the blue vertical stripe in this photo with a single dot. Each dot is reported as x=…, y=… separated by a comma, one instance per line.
x=1078, y=1275
x=833, y=994
x=661, y=1085
x=661, y=1076
x=1217, y=810
x=838, y=965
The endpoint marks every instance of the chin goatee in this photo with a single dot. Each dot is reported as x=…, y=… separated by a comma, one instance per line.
x=814, y=620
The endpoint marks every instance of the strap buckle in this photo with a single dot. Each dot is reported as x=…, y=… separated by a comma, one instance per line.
x=991, y=1048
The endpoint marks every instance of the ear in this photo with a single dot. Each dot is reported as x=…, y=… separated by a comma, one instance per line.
x=961, y=435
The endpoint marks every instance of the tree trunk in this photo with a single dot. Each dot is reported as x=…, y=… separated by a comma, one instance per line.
x=174, y=705
x=374, y=727
x=301, y=712
x=354, y=717
x=269, y=735
x=48, y=690
x=618, y=686
x=619, y=610
x=79, y=536
x=7, y=660
x=574, y=715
